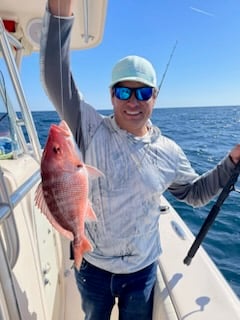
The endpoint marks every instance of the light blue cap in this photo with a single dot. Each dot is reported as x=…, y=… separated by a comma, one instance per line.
x=134, y=68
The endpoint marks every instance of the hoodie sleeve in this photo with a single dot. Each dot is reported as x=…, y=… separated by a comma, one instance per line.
x=58, y=81
x=201, y=190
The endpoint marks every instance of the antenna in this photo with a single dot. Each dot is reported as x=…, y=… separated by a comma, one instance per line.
x=167, y=65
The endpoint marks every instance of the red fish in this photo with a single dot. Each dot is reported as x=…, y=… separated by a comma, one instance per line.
x=62, y=194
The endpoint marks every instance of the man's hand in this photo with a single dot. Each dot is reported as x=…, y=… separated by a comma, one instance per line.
x=235, y=154
x=62, y=8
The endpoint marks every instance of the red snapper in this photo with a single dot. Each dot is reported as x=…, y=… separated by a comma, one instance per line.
x=62, y=194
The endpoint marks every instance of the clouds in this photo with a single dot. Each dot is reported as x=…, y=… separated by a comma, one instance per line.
x=206, y=13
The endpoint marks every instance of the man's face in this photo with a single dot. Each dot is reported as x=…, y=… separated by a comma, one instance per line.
x=132, y=114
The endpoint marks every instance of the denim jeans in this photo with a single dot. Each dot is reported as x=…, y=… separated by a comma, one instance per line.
x=98, y=289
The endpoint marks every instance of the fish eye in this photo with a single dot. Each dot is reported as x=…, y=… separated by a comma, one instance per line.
x=79, y=165
x=56, y=149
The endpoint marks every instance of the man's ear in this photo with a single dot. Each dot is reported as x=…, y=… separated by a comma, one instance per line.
x=111, y=92
x=156, y=92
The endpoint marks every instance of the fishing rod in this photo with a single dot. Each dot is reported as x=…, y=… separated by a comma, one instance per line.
x=213, y=214
x=167, y=65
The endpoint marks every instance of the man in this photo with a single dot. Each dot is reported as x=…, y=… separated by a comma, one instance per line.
x=139, y=164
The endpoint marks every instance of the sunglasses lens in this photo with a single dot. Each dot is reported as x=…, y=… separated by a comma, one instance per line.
x=122, y=93
x=144, y=94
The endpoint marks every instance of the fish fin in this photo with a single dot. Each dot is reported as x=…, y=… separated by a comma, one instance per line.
x=90, y=215
x=43, y=207
x=79, y=250
x=93, y=172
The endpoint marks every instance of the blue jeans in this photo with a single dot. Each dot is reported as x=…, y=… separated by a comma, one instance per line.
x=98, y=289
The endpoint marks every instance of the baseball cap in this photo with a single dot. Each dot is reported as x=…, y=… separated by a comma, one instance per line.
x=134, y=68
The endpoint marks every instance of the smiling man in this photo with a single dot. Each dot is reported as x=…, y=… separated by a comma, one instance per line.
x=133, y=93
x=139, y=165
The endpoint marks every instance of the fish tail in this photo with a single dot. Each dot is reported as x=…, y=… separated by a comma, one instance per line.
x=79, y=250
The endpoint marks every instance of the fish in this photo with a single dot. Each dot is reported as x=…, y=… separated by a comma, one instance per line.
x=62, y=195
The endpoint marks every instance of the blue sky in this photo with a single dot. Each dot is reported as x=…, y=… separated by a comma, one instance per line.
x=204, y=71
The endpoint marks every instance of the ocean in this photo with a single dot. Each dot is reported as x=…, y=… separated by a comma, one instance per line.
x=206, y=134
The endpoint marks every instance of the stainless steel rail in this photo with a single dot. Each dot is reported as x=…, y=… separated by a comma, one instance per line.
x=14, y=74
x=18, y=195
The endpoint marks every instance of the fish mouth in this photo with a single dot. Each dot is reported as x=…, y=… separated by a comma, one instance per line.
x=63, y=125
x=62, y=129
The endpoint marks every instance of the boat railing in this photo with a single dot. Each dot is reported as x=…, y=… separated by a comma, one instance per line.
x=19, y=137
x=7, y=204
x=12, y=63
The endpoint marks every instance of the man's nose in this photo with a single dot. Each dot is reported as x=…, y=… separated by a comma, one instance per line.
x=133, y=101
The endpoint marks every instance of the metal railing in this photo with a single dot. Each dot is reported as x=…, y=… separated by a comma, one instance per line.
x=11, y=64
x=7, y=220
x=7, y=207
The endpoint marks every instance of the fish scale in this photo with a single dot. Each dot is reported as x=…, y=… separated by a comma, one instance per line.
x=58, y=199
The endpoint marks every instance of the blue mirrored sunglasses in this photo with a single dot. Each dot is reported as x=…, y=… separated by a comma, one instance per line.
x=142, y=94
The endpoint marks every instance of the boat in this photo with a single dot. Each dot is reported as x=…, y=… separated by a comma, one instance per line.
x=36, y=274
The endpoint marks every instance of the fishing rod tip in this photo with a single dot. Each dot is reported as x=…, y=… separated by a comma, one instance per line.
x=187, y=260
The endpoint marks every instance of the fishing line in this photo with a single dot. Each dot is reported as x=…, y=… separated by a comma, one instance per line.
x=60, y=56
